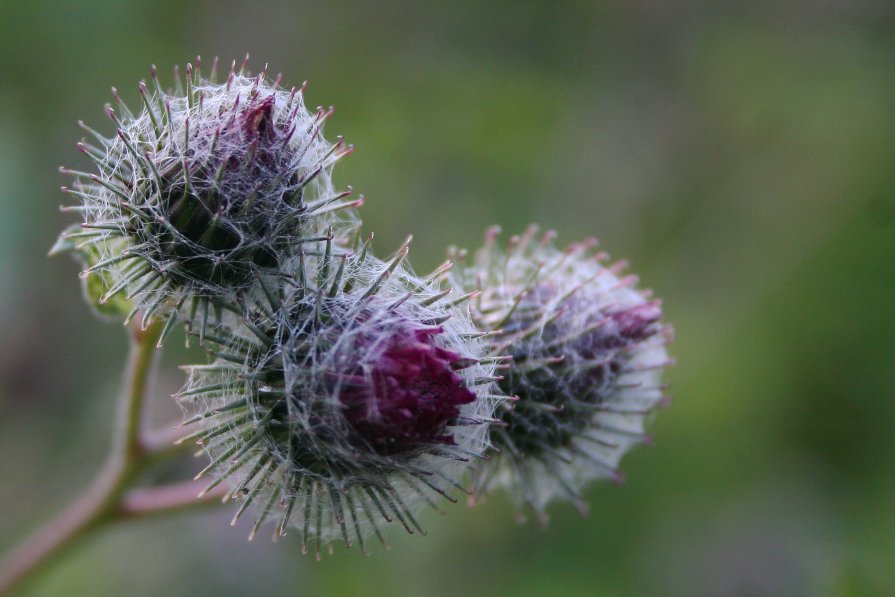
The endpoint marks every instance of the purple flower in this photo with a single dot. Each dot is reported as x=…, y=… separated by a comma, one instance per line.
x=409, y=395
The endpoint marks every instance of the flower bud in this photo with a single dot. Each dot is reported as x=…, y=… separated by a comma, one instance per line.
x=206, y=191
x=354, y=397
x=587, y=350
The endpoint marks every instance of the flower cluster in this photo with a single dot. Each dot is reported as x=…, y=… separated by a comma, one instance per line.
x=343, y=391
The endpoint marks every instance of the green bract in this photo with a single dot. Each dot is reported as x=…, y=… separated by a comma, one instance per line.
x=95, y=284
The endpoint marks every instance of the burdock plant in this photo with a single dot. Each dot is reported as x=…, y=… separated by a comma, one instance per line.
x=203, y=193
x=586, y=350
x=356, y=395
x=341, y=392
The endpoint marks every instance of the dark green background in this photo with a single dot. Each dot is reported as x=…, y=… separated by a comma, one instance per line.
x=741, y=158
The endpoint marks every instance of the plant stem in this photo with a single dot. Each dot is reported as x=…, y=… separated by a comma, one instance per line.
x=108, y=499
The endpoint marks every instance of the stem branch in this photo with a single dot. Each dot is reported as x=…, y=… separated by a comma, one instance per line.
x=108, y=498
x=141, y=502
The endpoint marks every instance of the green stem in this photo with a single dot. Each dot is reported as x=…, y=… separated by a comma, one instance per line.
x=141, y=364
x=108, y=498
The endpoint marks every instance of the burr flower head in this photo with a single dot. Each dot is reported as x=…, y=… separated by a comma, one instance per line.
x=587, y=349
x=345, y=402
x=206, y=189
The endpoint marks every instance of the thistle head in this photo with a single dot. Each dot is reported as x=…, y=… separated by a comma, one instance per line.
x=587, y=350
x=346, y=403
x=206, y=190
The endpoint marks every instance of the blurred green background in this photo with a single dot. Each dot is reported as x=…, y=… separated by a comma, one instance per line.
x=741, y=158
